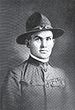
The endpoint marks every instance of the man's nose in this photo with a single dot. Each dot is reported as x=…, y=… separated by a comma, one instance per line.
x=43, y=43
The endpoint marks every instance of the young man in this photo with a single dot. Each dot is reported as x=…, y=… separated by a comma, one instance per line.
x=35, y=84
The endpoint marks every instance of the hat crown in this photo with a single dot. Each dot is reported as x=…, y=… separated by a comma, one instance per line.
x=37, y=20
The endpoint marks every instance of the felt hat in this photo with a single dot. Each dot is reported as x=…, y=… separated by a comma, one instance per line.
x=38, y=22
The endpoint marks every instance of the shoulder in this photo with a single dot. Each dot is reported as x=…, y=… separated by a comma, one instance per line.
x=18, y=71
x=60, y=72
x=57, y=72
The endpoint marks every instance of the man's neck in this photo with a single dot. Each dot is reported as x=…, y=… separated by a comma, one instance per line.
x=39, y=59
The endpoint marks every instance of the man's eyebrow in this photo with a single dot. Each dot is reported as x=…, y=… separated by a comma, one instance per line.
x=48, y=36
x=37, y=37
x=41, y=37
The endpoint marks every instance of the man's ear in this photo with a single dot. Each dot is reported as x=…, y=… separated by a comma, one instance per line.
x=53, y=42
x=27, y=43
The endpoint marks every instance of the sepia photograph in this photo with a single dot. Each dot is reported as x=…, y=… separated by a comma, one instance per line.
x=37, y=55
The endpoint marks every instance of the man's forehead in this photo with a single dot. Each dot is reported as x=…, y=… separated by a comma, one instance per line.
x=43, y=34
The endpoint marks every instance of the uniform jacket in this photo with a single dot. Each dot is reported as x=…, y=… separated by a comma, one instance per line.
x=36, y=86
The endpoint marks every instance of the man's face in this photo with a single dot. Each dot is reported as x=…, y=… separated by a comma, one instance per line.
x=41, y=44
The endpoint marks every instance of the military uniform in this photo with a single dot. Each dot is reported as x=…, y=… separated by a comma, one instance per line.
x=36, y=86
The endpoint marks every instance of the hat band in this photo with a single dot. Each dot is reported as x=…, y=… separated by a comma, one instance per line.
x=41, y=28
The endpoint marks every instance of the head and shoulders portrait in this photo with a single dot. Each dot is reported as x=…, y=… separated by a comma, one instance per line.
x=36, y=84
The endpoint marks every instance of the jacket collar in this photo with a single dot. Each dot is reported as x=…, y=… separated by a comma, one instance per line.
x=39, y=59
x=36, y=62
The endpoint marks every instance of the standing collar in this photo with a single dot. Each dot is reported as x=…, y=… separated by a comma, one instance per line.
x=36, y=62
x=38, y=59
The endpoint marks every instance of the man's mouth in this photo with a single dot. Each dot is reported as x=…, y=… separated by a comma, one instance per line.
x=43, y=50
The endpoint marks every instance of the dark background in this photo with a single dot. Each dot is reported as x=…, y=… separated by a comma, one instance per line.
x=13, y=15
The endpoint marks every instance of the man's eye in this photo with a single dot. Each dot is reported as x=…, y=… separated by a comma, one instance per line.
x=48, y=38
x=37, y=38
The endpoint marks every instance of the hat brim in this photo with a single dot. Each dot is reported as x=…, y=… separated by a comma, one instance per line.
x=21, y=39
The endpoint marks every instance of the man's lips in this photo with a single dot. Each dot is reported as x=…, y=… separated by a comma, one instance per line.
x=43, y=50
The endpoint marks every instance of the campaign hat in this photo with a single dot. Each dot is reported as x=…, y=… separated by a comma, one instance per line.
x=35, y=23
